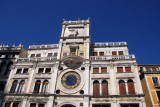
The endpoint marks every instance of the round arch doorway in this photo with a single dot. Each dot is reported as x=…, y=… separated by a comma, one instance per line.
x=68, y=105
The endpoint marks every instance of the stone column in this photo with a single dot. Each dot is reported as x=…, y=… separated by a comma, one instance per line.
x=33, y=71
x=113, y=81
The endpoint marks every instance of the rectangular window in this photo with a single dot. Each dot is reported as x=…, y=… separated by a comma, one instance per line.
x=18, y=71
x=128, y=69
x=33, y=105
x=7, y=104
x=55, y=54
x=73, y=51
x=114, y=53
x=101, y=53
x=155, y=81
x=120, y=52
x=48, y=70
x=32, y=55
x=25, y=70
x=103, y=70
x=41, y=105
x=95, y=53
x=15, y=104
x=119, y=69
x=158, y=95
x=40, y=70
x=148, y=69
x=38, y=55
x=50, y=54
x=95, y=70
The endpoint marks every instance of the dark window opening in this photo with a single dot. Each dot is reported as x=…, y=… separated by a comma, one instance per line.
x=40, y=70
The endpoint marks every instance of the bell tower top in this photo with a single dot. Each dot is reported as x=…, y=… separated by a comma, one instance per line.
x=74, y=29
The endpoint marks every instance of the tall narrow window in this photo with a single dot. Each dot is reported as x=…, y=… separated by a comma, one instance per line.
x=55, y=54
x=18, y=71
x=122, y=87
x=96, y=88
x=40, y=70
x=15, y=104
x=21, y=85
x=119, y=69
x=2, y=85
x=104, y=87
x=103, y=70
x=114, y=53
x=95, y=70
x=2, y=67
x=33, y=105
x=101, y=53
x=7, y=104
x=158, y=95
x=48, y=70
x=95, y=53
x=131, y=89
x=44, y=86
x=128, y=69
x=155, y=81
x=25, y=70
x=37, y=86
x=8, y=69
x=14, y=85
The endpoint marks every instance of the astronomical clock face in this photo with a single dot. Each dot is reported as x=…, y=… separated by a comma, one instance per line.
x=70, y=80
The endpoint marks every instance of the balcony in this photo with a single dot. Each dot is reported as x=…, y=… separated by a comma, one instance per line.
x=36, y=59
x=112, y=57
x=109, y=44
x=44, y=46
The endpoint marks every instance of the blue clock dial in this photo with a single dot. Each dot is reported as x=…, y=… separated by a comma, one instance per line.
x=70, y=80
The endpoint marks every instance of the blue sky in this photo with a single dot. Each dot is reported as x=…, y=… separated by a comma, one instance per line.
x=39, y=21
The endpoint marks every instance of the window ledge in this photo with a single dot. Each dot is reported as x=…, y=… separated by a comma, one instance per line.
x=42, y=73
x=123, y=72
x=21, y=73
x=101, y=73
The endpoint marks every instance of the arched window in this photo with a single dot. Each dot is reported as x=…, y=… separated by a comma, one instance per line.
x=37, y=86
x=104, y=87
x=122, y=87
x=2, y=67
x=21, y=85
x=96, y=87
x=2, y=85
x=131, y=89
x=44, y=86
x=14, y=85
x=8, y=69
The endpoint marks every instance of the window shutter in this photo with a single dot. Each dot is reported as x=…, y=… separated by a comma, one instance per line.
x=95, y=70
x=95, y=54
x=114, y=53
x=105, y=88
x=119, y=69
x=96, y=89
x=103, y=70
x=122, y=88
x=128, y=69
x=131, y=89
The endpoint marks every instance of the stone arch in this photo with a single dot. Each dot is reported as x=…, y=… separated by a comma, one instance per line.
x=67, y=104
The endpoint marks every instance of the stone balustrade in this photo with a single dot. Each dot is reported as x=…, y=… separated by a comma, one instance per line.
x=109, y=44
x=110, y=57
x=36, y=59
x=43, y=46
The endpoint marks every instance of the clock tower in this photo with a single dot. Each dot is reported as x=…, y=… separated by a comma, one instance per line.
x=73, y=74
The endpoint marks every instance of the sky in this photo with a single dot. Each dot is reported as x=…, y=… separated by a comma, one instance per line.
x=40, y=21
